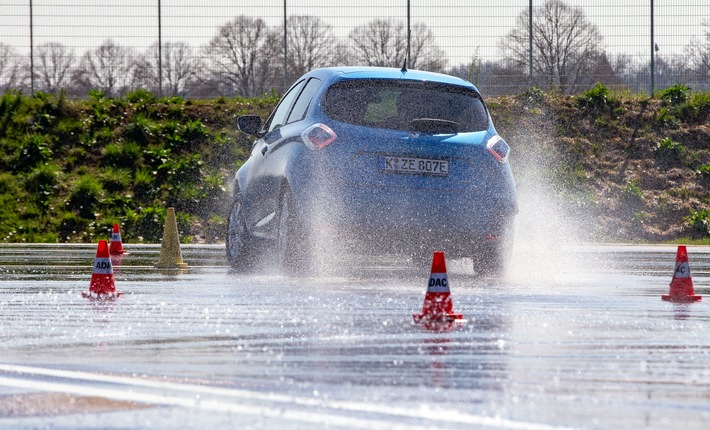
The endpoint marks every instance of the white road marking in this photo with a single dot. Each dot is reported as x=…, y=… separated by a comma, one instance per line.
x=321, y=411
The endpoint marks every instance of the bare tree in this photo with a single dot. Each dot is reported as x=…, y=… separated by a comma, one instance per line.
x=242, y=57
x=179, y=69
x=311, y=44
x=566, y=46
x=670, y=70
x=491, y=78
x=698, y=52
x=622, y=64
x=625, y=69
x=383, y=42
x=379, y=43
x=53, y=62
x=425, y=54
x=109, y=68
x=12, y=67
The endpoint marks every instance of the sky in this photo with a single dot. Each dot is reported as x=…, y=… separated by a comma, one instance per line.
x=463, y=28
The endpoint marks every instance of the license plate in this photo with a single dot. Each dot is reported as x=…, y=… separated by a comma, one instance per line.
x=415, y=166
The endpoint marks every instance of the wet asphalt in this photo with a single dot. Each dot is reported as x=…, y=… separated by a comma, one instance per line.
x=571, y=337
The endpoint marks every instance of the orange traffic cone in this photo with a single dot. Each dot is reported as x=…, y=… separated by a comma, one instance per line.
x=438, y=309
x=116, y=246
x=681, y=290
x=102, y=283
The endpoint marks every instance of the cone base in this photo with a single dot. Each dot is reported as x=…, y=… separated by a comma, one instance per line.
x=439, y=323
x=681, y=299
x=171, y=266
x=101, y=296
x=445, y=318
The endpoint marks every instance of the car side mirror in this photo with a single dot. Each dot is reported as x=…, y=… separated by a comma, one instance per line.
x=250, y=124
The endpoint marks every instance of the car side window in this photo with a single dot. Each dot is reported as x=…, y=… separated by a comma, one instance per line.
x=304, y=100
x=278, y=118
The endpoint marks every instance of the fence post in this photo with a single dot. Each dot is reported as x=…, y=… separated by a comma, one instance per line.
x=285, y=50
x=32, y=54
x=160, y=52
x=530, y=37
x=409, y=33
x=653, y=55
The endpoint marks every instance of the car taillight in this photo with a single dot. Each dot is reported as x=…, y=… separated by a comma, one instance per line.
x=318, y=136
x=498, y=148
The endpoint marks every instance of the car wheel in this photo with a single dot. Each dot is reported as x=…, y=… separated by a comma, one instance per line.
x=240, y=249
x=492, y=258
x=290, y=246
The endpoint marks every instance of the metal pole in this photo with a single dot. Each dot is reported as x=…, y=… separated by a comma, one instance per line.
x=285, y=50
x=160, y=52
x=409, y=32
x=653, y=55
x=32, y=55
x=530, y=37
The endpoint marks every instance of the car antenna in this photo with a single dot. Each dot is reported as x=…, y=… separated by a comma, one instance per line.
x=404, y=66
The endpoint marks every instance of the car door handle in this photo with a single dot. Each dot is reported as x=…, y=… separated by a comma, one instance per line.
x=264, y=149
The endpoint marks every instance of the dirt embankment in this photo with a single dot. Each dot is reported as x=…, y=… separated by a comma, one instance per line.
x=628, y=168
x=624, y=168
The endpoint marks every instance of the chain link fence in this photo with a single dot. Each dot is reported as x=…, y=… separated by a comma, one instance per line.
x=220, y=48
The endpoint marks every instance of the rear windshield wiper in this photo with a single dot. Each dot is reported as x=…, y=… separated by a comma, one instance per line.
x=434, y=126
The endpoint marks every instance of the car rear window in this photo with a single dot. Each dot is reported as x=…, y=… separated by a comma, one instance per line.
x=406, y=105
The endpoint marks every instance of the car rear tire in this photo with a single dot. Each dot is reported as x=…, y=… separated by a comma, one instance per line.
x=239, y=244
x=492, y=258
x=290, y=244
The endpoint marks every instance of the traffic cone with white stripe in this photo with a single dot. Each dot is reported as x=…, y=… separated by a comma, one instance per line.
x=681, y=290
x=102, y=284
x=116, y=246
x=438, y=309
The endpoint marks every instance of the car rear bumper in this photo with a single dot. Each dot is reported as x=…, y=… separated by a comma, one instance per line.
x=406, y=220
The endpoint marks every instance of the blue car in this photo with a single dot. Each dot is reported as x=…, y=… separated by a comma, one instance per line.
x=373, y=160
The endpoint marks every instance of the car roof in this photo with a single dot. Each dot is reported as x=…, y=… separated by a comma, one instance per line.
x=362, y=72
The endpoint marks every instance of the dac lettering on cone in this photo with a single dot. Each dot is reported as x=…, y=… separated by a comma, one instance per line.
x=682, y=270
x=438, y=283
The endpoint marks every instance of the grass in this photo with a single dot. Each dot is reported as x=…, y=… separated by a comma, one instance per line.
x=687, y=241
x=68, y=168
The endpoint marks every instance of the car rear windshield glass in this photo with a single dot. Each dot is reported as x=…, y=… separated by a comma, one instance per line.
x=406, y=105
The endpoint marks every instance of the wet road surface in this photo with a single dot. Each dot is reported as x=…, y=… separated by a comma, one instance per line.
x=574, y=337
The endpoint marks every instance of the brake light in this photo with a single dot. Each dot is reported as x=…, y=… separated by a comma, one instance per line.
x=498, y=148
x=318, y=136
